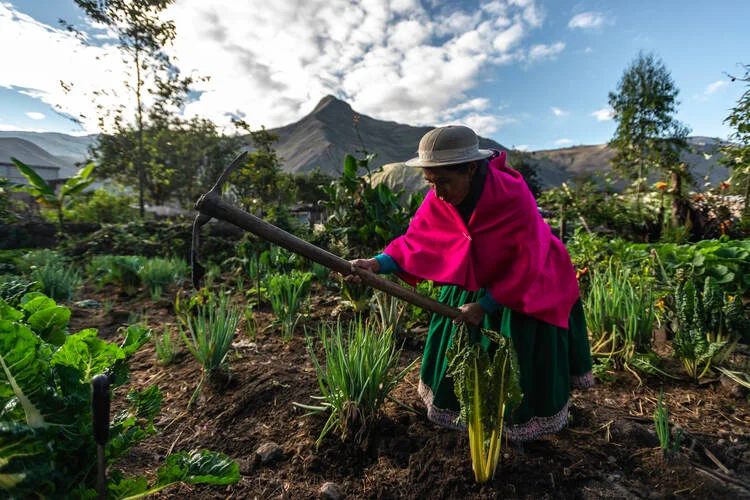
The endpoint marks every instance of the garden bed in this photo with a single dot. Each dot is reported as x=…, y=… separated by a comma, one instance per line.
x=609, y=449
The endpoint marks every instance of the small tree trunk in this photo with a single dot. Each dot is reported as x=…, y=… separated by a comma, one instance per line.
x=678, y=208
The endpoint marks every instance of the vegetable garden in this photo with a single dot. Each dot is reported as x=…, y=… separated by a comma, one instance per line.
x=278, y=379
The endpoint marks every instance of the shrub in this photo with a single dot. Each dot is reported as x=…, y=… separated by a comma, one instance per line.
x=58, y=280
x=104, y=207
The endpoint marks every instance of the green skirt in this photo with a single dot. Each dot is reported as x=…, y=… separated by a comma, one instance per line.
x=552, y=360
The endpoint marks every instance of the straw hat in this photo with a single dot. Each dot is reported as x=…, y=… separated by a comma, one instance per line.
x=449, y=145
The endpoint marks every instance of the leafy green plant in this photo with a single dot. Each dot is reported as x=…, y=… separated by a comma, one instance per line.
x=211, y=327
x=12, y=288
x=389, y=311
x=58, y=280
x=361, y=371
x=487, y=388
x=46, y=195
x=287, y=292
x=38, y=258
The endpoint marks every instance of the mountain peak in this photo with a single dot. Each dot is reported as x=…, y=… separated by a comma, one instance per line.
x=331, y=101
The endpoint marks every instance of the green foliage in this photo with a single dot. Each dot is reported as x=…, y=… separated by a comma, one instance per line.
x=389, y=311
x=487, y=388
x=310, y=186
x=736, y=154
x=157, y=274
x=46, y=403
x=361, y=371
x=46, y=195
x=12, y=288
x=661, y=422
x=519, y=161
x=648, y=135
x=104, y=207
x=287, y=293
x=58, y=280
x=166, y=349
x=122, y=270
x=620, y=313
x=362, y=219
x=6, y=211
x=211, y=326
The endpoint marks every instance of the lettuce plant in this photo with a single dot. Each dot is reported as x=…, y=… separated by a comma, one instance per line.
x=487, y=388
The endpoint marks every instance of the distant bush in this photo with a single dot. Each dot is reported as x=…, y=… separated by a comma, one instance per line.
x=103, y=207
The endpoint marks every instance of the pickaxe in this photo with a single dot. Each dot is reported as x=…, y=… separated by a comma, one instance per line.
x=211, y=205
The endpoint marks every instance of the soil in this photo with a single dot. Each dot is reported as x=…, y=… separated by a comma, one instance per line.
x=608, y=450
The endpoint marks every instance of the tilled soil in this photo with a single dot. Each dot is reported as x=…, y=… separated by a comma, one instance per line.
x=608, y=450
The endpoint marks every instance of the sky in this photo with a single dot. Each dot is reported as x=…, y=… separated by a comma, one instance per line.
x=530, y=74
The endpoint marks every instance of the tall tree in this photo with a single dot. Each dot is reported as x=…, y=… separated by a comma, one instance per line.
x=737, y=153
x=648, y=136
x=142, y=36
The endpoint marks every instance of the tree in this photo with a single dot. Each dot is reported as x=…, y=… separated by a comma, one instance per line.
x=737, y=154
x=142, y=36
x=647, y=136
x=260, y=182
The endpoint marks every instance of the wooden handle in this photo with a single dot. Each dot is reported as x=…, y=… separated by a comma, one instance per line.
x=212, y=205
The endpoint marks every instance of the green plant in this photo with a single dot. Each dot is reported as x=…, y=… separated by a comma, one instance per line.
x=38, y=258
x=157, y=274
x=251, y=325
x=58, y=280
x=320, y=272
x=361, y=371
x=619, y=314
x=46, y=195
x=389, y=311
x=661, y=422
x=104, y=207
x=12, y=288
x=356, y=296
x=287, y=293
x=487, y=388
x=166, y=350
x=211, y=327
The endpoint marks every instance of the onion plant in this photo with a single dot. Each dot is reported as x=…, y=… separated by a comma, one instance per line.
x=389, y=311
x=361, y=370
x=211, y=327
x=619, y=314
x=287, y=292
x=661, y=422
x=166, y=350
x=157, y=274
x=58, y=280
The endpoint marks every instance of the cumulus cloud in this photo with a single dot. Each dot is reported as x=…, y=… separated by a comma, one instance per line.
x=563, y=142
x=603, y=114
x=588, y=20
x=715, y=87
x=35, y=115
x=271, y=62
x=558, y=111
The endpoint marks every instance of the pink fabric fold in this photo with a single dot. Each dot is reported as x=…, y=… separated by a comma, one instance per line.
x=506, y=248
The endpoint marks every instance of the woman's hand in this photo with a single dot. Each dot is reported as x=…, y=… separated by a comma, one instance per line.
x=471, y=313
x=371, y=265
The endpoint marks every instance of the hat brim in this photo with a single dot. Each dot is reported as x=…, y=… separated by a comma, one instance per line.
x=481, y=154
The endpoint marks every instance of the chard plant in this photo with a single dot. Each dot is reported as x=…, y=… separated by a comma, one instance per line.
x=287, y=293
x=487, y=388
x=47, y=447
x=211, y=327
x=361, y=370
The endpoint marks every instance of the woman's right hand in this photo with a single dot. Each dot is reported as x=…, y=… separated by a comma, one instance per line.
x=371, y=265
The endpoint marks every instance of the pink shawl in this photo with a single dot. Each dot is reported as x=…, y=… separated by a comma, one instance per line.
x=506, y=248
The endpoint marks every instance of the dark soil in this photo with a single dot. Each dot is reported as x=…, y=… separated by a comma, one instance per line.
x=608, y=450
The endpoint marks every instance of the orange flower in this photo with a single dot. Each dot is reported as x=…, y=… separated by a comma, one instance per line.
x=661, y=186
x=724, y=185
x=581, y=272
x=698, y=197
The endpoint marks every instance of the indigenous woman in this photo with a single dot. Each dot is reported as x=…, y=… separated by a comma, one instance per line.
x=480, y=235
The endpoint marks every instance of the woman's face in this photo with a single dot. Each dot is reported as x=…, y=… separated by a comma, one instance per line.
x=450, y=186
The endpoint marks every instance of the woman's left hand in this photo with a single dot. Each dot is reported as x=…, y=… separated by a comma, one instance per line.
x=471, y=313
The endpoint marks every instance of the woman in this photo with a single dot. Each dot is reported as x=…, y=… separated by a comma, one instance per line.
x=479, y=234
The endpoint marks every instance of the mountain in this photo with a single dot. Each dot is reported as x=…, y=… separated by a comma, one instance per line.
x=325, y=136
x=332, y=129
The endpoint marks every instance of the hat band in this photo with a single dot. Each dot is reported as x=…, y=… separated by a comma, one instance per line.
x=449, y=154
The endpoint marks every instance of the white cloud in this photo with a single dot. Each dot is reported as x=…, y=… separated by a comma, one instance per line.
x=588, y=20
x=562, y=142
x=271, y=62
x=559, y=112
x=522, y=147
x=603, y=114
x=35, y=116
x=15, y=128
x=715, y=87
x=541, y=52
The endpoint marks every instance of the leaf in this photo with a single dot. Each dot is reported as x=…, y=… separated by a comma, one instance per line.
x=198, y=467
x=9, y=313
x=23, y=373
x=34, y=178
x=87, y=355
x=50, y=323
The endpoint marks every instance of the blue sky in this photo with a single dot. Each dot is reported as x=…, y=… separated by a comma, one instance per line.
x=531, y=74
